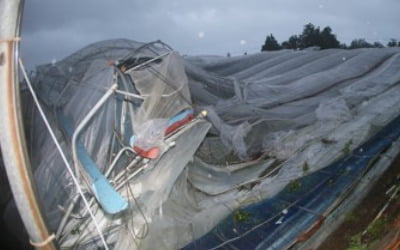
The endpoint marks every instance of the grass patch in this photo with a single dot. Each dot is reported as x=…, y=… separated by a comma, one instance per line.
x=294, y=186
x=377, y=229
x=347, y=147
x=375, y=232
x=241, y=216
x=306, y=167
x=350, y=217
x=355, y=243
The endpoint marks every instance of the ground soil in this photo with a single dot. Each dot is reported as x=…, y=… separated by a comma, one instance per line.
x=357, y=220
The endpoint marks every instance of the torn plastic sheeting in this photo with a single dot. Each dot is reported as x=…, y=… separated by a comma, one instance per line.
x=216, y=180
x=315, y=119
x=305, y=201
x=297, y=99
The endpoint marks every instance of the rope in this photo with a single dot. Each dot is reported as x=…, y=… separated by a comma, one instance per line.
x=146, y=224
x=43, y=243
x=13, y=39
x=71, y=172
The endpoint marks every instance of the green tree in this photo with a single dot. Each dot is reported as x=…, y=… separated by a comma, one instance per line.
x=310, y=36
x=328, y=40
x=313, y=36
x=270, y=44
x=294, y=42
x=285, y=45
x=360, y=43
x=392, y=43
x=378, y=45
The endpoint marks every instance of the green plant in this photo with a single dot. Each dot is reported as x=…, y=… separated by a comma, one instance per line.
x=350, y=217
x=76, y=231
x=294, y=185
x=347, y=147
x=355, y=243
x=306, y=167
x=374, y=232
x=377, y=229
x=241, y=216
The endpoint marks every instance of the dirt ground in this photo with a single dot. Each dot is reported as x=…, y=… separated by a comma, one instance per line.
x=385, y=232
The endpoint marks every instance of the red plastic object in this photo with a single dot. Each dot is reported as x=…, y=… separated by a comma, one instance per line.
x=178, y=124
x=151, y=153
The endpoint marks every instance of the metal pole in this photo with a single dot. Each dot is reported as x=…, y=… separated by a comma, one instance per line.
x=85, y=121
x=12, y=137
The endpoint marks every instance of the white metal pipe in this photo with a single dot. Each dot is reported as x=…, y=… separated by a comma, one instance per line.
x=85, y=121
x=114, y=162
x=12, y=137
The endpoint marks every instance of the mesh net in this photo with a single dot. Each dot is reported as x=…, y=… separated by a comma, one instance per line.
x=271, y=114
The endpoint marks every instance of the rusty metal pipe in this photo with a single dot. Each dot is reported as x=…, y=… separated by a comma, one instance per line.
x=12, y=137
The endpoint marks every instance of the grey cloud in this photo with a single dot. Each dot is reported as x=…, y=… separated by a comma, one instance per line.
x=55, y=28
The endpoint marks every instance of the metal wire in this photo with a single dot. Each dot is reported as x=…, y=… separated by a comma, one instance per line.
x=64, y=158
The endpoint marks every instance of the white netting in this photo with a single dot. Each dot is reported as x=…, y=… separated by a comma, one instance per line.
x=271, y=113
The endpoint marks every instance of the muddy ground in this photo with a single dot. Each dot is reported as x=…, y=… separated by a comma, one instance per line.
x=384, y=233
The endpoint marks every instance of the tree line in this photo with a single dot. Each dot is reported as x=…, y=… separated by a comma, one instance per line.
x=313, y=36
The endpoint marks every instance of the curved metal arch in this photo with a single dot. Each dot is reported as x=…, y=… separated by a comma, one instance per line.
x=12, y=137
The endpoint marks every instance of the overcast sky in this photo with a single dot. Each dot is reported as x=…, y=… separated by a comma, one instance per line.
x=52, y=29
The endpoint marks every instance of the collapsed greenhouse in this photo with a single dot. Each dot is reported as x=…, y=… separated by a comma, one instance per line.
x=205, y=152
